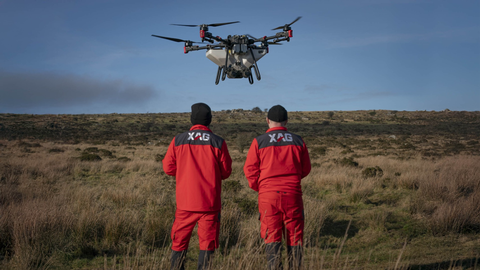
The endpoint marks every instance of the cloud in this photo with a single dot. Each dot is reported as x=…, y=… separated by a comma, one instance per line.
x=64, y=93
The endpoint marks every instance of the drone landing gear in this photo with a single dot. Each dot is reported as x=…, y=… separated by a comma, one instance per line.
x=250, y=78
x=224, y=74
x=219, y=72
x=257, y=72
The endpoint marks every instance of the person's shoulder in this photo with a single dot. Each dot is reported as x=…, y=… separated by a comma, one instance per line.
x=217, y=137
x=295, y=135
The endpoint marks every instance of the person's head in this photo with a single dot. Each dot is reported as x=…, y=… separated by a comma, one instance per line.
x=201, y=114
x=277, y=116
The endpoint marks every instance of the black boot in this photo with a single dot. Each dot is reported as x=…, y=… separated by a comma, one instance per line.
x=295, y=254
x=177, y=260
x=274, y=258
x=204, y=259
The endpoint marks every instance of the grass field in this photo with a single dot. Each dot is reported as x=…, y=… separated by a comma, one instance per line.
x=388, y=190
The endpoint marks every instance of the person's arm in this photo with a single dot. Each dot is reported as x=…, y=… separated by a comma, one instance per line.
x=306, y=166
x=252, y=166
x=170, y=161
x=225, y=162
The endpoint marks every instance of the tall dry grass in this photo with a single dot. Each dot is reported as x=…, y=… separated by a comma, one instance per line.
x=57, y=212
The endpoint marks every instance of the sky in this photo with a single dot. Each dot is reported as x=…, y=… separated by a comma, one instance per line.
x=98, y=56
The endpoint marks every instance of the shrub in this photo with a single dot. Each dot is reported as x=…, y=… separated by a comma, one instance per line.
x=348, y=162
x=317, y=151
x=106, y=153
x=347, y=151
x=257, y=110
x=56, y=150
x=124, y=159
x=91, y=150
x=90, y=157
x=372, y=172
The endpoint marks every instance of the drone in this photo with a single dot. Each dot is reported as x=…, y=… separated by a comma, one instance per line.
x=236, y=55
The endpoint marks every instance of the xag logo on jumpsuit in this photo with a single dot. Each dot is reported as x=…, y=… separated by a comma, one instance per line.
x=192, y=136
x=279, y=137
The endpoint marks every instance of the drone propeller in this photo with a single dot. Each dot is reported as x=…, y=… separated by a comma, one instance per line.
x=286, y=26
x=201, y=25
x=204, y=34
x=176, y=39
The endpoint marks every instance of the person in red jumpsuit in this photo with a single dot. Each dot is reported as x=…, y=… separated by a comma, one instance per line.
x=199, y=160
x=276, y=163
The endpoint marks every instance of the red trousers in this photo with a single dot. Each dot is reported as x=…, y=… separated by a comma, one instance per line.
x=281, y=213
x=208, y=229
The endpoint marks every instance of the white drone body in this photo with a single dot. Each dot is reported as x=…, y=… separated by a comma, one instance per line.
x=218, y=57
x=236, y=55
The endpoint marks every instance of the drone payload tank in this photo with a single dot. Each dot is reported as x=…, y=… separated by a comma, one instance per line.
x=240, y=63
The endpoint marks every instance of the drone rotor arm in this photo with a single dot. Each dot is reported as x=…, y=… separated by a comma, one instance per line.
x=198, y=48
x=280, y=36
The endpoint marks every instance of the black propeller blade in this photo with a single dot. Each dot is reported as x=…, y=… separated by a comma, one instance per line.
x=176, y=39
x=287, y=25
x=200, y=25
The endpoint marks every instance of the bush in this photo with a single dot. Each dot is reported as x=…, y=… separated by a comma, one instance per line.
x=91, y=150
x=106, y=153
x=124, y=159
x=90, y=157
x=348, y=162
x=257, y=110
x=317, y=151
x=372, y=172
x=56, y=150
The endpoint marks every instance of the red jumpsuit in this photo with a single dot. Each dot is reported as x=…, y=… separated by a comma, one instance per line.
x=276, y=163
x=200, y=161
